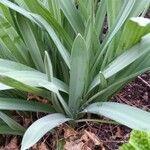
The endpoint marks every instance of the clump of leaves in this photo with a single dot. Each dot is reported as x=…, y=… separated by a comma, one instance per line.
x=57, y=49
x=139, y=140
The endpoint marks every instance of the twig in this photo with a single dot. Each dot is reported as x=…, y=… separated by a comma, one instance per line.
x=145, y=82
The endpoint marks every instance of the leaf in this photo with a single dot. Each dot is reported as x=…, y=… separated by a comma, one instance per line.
x=55, y=9
x=42, y=23
x=78, y=72
x=132, y=117
x=55, y=90
x=11, y=123
x=5, y=129
x=127, y=58
x=113, y=9
x=139, y=140
x=71, y=13
x=12, y=43
x=7, y=65
x=62, y=50
x=39, y=128
x=35, y=7
x=31, y=41
x=10, y=82
x=122, y=16
x=134, y=29
x=24, y=105
x=48, y=66
x=31, y=78
x=100, y=16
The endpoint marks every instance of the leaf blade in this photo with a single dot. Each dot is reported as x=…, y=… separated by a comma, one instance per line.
x=41, y=127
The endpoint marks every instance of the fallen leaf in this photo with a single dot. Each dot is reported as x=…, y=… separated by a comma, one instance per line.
x=42, y=146
x=73, y=146
x=93, y=137
x=68, y=131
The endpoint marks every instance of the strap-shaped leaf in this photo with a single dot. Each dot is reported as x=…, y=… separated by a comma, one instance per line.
x=11, y=123
x=7, y=65
x=113, y=9
x=5, y=129
x=123, y=15
x=71, y=13
x=39, y=128
x=41, y=22
x=31, y=41
x=24, y=105
x=35, y=7
x=132, y=117
x=78, y=72
x=32, y=78
x=48, y=66
x=12, y=43
x=55, y=90
x=124, y=60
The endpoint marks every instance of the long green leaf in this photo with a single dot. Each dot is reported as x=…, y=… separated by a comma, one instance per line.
x=132, y=117
x=55, y=90
x=24, y=105
x=41, y=22
x=123, y=15
x=71, y=13
x=39, y=128
x=5, y=129
x=124, y=60
x=31, y=42
x=35, y=7
x=11, y=123
x=33, y=79
x=7, y=65
x=78, y=73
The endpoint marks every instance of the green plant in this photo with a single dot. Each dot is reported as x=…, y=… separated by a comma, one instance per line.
x=139, y=140
x=58, y=49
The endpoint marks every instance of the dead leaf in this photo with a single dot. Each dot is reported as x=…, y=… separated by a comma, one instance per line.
x=39, y=99
x=42, y=146
x=73, y=146
x=68, y=131
x=93, y=137
x=118, y=133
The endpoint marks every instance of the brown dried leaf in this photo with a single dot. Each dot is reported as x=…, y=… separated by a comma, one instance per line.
x=85, y=147
x=93, y=137
x=42, y=146
x=118, y=133
x=68, y=131
x=39, y=99
x=73, y=146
